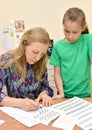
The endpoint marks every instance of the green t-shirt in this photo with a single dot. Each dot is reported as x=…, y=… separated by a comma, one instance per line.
x=74, y=62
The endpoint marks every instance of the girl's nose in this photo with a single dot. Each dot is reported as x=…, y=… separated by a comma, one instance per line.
x=70, y=36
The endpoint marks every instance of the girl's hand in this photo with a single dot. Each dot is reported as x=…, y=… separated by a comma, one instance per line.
x=57, y=97
x=44, y=98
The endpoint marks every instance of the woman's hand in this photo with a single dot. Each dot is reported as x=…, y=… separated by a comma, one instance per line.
x=28, y=104
x=25, y=104
x=44, y=98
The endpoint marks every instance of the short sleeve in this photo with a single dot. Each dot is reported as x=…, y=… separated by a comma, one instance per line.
x=55, y=58
x=90, y=45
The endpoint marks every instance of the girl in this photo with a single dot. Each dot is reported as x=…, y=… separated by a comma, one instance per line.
x=72, y=57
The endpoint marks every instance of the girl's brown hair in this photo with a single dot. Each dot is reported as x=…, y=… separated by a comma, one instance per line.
x=76, y=15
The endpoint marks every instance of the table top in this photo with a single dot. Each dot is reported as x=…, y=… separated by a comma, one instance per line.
x=12, y=124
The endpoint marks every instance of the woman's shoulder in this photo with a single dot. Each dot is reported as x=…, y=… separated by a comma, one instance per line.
x=4, y=58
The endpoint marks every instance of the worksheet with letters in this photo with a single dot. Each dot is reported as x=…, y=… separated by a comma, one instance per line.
x=43, y=115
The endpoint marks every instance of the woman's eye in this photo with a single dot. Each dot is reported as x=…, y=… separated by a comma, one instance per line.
x=35, y=52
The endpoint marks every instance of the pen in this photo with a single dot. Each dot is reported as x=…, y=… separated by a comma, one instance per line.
x=40, y=106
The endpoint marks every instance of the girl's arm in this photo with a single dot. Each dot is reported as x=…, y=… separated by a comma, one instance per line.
x=91, y=60
x=58, y=81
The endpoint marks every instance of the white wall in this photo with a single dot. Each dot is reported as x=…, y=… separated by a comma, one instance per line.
x=45, y=13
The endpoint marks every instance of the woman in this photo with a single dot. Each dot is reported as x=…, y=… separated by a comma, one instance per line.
x=23, y=72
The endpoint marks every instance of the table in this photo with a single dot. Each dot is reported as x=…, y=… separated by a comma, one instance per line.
x=12, y=124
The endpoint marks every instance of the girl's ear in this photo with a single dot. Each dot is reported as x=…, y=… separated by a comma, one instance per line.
x=85, y=30
x=85, y=26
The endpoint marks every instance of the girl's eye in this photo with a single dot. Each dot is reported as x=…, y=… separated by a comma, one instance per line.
x=75, y=32
x=67, y=31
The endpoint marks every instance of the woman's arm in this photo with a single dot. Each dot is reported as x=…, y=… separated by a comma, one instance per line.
x=25, y=104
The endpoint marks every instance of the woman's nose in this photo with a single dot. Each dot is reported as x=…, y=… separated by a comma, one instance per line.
x=38, y=57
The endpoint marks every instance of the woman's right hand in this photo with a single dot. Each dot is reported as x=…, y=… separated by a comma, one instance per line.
x=28, y=104
x=25, y=104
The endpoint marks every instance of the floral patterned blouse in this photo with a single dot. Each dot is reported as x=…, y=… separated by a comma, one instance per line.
x=31, y=88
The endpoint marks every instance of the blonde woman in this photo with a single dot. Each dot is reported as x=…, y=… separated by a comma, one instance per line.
x=23, y=72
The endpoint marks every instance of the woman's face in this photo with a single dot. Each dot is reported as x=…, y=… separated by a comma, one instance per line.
x=72, y=31
x=35, y=51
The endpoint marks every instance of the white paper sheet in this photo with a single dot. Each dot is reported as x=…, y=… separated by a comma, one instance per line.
x=64, y=122
x=6, y=41
x=42, y=115
x=20, y=115
x=79, y=110
x=1, y=122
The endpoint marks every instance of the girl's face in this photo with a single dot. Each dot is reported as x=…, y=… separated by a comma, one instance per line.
x=35, y=51
x=72, y=31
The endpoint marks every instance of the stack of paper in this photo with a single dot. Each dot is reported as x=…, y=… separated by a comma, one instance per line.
x=79, y=110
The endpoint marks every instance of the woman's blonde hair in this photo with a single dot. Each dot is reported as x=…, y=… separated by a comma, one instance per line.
x=37, y=34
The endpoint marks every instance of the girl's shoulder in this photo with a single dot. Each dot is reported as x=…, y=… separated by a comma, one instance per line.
x=87, y=35
x=59, y=42
x=4, y=58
